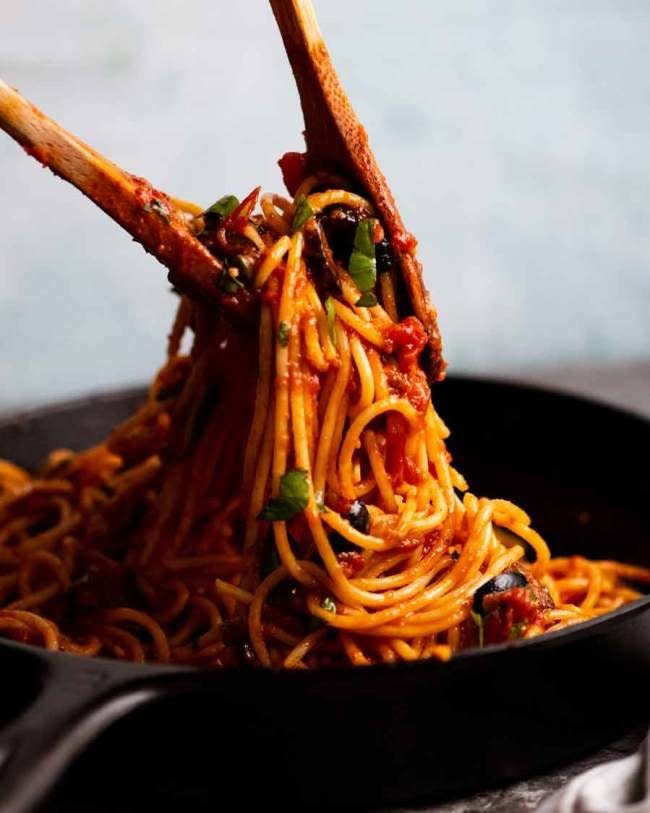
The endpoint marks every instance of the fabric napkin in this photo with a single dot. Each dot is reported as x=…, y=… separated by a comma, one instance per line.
x=620, y=786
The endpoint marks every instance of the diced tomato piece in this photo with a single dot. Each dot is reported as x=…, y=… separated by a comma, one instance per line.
x=405, y=242
x=406, y=340
x=293, y=168
x=239, y=217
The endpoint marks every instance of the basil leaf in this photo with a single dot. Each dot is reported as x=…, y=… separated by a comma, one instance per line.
x=293, y=496
x=363, y=264
x=283, y=334
x=224, y=206
x=367, y=300
x=331, y=316
x=302, y=214
x=478, y=620
x=328, y=605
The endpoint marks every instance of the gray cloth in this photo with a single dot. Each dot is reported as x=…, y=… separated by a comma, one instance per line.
x=620, y=786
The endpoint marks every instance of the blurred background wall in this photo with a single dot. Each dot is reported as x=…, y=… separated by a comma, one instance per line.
x=515, y=134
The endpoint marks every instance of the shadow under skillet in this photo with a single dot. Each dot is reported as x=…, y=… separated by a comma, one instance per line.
x=526, y=796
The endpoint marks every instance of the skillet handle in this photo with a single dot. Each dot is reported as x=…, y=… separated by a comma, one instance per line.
x=77, y=702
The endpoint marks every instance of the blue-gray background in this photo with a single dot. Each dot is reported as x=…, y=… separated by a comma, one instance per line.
x=515, y=134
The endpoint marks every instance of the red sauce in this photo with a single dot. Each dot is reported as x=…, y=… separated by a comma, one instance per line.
x=412, y=386
x=145, y=194
x=434, y=539
x=293, y=168
x=338, y=503
x=38, y=153
x=400, y=467
x=311, y=383
x=353, y=388
x=298, y=530
x=271, y=292
x=351, y=562
x=510, y=613
x=412, y=474
x=406, y=340
x=405, y=242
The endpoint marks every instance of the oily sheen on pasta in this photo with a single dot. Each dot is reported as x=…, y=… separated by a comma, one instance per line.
x=284, y=497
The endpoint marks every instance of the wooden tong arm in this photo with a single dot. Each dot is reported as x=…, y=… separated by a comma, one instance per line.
x=337, y=142
x=148, y=215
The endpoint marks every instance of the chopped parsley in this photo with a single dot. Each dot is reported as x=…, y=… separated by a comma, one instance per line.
x=224, y=206
x=302, y=213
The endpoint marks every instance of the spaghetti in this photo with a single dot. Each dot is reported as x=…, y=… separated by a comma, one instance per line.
x=285, y=496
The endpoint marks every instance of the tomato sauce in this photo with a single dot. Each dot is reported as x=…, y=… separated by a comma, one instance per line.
x=351, y=562
x=405, y=242
x=510, y=613
x=396, y=429
x=405, y=341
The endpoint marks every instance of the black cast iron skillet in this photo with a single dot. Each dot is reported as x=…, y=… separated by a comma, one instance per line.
x=354, y=738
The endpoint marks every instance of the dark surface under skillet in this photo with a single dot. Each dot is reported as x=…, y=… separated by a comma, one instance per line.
x=357, y=738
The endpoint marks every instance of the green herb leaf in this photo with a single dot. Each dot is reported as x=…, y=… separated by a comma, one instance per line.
x=367, y=300
x=328, y=605
x=302, y=214
x=283, y=334
x=331, y=316
x=517, y=630
x=478, y=620
x=363, y=265
x=224, y=206
x=293, y=496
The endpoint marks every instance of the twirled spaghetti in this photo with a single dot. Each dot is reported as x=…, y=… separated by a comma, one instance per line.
x=285, y=496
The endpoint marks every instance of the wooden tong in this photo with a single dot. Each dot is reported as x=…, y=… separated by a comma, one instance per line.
x=147, y=214
x=337, y=142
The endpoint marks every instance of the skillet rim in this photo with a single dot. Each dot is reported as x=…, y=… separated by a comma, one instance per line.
x=583, y=629
x=14, y=419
